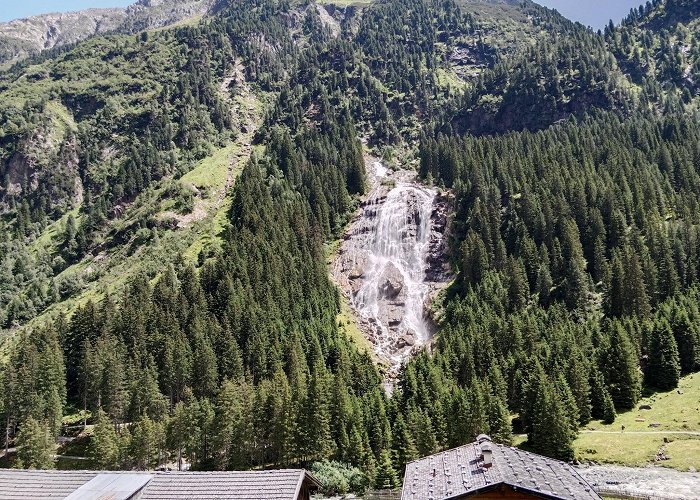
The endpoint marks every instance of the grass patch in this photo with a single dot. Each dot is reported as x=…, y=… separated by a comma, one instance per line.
x=50, y=235
x=683, y=453
x=447, y=79
x=211, y=172
x=628, y=449
x=675, y=412
x=346, y=323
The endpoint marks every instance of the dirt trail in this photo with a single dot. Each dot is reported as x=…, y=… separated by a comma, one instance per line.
x=687, y=433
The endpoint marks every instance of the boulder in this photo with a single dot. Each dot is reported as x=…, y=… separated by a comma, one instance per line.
x=356, y=272
x=391, y=283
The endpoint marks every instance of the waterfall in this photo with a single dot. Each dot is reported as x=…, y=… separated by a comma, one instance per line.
x=394, y=286
x=383, y=262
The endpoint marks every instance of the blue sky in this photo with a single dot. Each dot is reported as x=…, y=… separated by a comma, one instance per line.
x=13, y=9
x=595, y=13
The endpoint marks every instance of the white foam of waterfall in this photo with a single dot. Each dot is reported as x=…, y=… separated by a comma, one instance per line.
x=398, y=240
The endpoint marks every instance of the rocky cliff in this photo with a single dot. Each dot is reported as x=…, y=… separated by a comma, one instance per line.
x=22, y=38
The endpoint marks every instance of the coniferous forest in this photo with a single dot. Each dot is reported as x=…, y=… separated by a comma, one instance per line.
x=573, y=158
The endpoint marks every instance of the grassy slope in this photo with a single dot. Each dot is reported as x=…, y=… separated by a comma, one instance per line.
x=112, y=270
x=638, y=444
x=678, y=416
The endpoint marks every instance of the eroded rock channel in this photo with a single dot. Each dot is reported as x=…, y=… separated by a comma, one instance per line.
x=393, y=260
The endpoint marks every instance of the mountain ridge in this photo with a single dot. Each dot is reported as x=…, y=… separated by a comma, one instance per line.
x=21, y=38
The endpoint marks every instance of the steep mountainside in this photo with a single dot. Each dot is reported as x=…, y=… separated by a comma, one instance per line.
x=25, y=37
x=169, y=201
x=658, y=45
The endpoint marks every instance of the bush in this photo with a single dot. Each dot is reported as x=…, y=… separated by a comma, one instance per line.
x=338, y=479
x=69, y=285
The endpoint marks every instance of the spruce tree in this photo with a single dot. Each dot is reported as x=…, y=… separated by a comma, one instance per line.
x=386, y=477
x=403, y=446
x=104, y=445
x=550, y=432
x=663, y=368
x=608, y=409
x=621, y=367
x=35, y=447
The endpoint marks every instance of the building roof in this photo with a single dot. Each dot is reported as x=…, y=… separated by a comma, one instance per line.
x=460, y=473
x=111, y=486
x=86, y=485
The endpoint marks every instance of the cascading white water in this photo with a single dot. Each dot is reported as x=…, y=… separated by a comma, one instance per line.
x=396, y=258
x=382, y=264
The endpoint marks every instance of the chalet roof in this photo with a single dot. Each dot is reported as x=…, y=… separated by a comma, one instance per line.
x=259, y=485
x=460, y=473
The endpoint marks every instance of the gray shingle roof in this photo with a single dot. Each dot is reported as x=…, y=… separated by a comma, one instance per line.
x=460, y=473
x=253, y=485
x=259, y=485
x=24, y=484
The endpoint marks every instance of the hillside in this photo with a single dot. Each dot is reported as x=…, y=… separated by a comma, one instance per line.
x=170, y=198
x=658, y=47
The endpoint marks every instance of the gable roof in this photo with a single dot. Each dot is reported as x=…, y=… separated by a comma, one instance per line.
x=260, y=485
x=460, y=473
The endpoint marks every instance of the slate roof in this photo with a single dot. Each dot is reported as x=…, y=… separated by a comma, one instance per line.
x=259, y=485
x=24, y=484
x=460, y=473
x=254, y=485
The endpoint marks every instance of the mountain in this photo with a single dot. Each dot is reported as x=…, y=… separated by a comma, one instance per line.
x=22, y=38
x=170, y=200
x=658, y=44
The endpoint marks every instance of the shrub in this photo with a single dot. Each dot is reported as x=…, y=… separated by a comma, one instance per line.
x=338, y=479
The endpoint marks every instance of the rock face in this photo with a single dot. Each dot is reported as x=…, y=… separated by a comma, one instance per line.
x=393, y=260
x=22, y=38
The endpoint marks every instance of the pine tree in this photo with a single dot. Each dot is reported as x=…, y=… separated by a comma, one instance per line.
x=663, y=368
x=204, y=367
x=144, y=444
x=319, y=443
x=475, y=259
x=621, y=368
x=550, y=432
x=178, y=432
x=403, y=446
x=386, y=477
x=576, y=280
x=35, y=447
x=687, y=338
x=104, y=445
x=500, y=429
x=608, y=409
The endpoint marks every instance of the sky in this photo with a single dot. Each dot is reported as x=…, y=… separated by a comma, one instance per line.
x=13, y=9
x=594, y=13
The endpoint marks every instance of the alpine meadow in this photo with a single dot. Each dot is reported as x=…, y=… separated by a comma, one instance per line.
x=343, y=235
